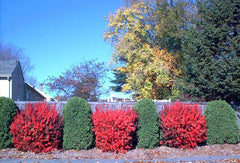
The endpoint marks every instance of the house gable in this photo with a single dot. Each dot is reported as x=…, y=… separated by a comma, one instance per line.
x=18, y=84
x=12, y=84
x=32, y=94
x=11, y=79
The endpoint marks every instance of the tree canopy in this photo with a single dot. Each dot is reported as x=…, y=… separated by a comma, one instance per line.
x=146, y=36
x=177, y=48
x=212, y=52
x=84, y=79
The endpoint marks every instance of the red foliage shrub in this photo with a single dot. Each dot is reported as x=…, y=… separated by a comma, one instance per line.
x=182, y=125
x=38, y=128
x=114, y=129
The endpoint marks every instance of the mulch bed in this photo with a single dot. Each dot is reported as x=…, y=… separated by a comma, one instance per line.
x=135, y=154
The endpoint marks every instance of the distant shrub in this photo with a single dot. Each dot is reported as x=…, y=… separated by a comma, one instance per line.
x=182, y=125
x=148, y=126
x=8, y=110
x=222, y=124
x=77, y=131
x=37, y=128
x=114, y=129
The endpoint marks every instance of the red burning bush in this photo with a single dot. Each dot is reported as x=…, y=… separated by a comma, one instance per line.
x=115, y=130
x=182, y=125
x=38, y=128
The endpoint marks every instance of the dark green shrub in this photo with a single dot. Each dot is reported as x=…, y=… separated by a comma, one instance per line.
x=77, y=130
x=148, y=126
x=8, y=110
x=222, y=124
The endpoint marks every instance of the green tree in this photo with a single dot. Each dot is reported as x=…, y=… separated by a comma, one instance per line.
x=119, y=81
x=172, y=19
x=212, y=52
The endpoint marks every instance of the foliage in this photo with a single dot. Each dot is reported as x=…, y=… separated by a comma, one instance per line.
x=212, y=52
x=152, y=76
x=189, y=98
x=119, y=81
x=77, y=131
x=37, y=128
x=148, y=127
x=8, y=110
x=222, y=124
x=172, y=19
x=11, y=52
x=84, y=80
x=148, y=45
x=132, y=31
x=147, y=48
x=182, y=125
x=114, y=129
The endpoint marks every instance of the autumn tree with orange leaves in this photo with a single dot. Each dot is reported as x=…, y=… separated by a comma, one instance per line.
x=84, y=80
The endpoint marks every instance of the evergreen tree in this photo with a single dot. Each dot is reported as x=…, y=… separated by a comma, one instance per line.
x=119, y=81
x=212, y=52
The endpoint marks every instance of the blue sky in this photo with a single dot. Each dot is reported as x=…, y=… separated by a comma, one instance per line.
x=57, y=33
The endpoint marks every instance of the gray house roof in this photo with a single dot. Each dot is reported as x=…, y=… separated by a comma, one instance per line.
x=7, y=67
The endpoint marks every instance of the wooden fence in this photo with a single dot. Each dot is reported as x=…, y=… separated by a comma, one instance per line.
x=113, y=105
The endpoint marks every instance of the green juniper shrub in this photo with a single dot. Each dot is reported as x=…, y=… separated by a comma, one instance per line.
x=148, y=125
x=8, y=110
x=77, y=130
x=222, y=124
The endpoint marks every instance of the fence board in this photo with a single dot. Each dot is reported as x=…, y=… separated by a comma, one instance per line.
x=113, y=105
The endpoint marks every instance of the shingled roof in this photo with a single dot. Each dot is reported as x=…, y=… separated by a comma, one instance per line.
x=7, y=67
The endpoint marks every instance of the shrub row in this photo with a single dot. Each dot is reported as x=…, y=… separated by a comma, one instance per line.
x=41, y=128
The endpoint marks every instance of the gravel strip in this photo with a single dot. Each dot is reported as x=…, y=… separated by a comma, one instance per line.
x=207, y=159
x=231, y=152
